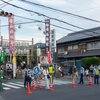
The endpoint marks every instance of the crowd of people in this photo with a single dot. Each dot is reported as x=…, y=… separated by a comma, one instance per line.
x=93, y=72
x=38, y=73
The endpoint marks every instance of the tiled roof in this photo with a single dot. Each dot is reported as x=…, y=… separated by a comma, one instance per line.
x=94, y=32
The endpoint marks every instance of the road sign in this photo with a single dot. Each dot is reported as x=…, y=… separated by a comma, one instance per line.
x=36, y=70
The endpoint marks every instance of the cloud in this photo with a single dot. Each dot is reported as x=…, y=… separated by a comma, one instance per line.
x=33, y=27
x=53, y=2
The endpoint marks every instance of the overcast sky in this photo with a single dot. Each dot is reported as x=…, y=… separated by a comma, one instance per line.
x=86, y=8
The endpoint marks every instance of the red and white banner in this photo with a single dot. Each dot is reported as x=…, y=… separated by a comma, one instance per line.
x=48, y=56
x=47, y=34
x=11, y=34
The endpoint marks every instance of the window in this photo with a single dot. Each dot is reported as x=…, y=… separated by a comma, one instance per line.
x=69, y=47
x=75, y=46
x=52, y=44
x=52, y=40
x=93, y=45
x=60, y=50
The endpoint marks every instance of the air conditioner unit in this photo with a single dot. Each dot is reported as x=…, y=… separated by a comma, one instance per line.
x=66, y=52
x=84, y=50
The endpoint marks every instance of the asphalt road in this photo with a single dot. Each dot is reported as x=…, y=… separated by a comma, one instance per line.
x=61, y=92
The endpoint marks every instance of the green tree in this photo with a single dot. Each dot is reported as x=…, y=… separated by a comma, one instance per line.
x=86, y=62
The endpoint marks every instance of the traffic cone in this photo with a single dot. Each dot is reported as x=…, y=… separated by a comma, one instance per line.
x=28, y=89
x=73, y=83
x=51, y=87
x=33, y=85
x=40, y=84
x=90, y=81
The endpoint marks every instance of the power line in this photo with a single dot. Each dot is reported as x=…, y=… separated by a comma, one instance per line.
x=45, y=16
x=60, y=11
x=54, y=25
x=94, y=2
x=38, y=21
x=50, y=18
x=44, y=22
x=4, y=4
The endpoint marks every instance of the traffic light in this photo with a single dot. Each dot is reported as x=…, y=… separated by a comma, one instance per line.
x=5, y=14
x=2, y=56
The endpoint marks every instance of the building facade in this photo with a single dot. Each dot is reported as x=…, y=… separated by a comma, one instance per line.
x=75, y=46
x=23, y=48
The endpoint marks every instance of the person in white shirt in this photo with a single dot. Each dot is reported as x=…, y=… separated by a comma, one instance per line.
x=87, y=72
x=45, y=73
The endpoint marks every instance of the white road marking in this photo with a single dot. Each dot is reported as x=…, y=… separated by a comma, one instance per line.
x=6, y=88
x=15, y=84
x=10, y=86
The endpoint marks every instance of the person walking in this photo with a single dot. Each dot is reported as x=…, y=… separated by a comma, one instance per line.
x=1, y=78
x=81, y=75
x=29, y=76
x=45, y=73
x=51, y=72
x=72, y=72
x=96, y=75
x=91, y=70
x=25, y=75
x=87, y=72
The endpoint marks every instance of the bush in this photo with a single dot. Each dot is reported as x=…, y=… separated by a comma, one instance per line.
x=86, y=62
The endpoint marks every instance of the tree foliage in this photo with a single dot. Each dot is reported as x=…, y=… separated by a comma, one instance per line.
x=86, y=62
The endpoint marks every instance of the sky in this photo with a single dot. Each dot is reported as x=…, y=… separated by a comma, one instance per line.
x=86, y=8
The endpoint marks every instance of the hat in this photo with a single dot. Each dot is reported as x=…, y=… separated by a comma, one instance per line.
x=50, y=64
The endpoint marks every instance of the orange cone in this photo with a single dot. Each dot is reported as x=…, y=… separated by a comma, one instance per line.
x=40, y=84
x=28, y=89
x=90, y=81
x=73, y=83
x=33, y=85
x=51, y=87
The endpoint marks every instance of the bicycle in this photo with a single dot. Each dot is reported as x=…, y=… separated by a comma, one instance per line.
x=5, y=78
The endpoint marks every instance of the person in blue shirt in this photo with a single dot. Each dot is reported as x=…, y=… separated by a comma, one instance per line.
x=96, y=75
x=25, y=75
x=81, y=75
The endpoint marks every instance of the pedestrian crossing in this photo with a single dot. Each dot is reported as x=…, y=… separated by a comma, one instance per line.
x=19, y=85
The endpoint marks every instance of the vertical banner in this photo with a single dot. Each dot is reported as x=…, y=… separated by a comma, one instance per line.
x=48, y=56
x=2, y=56
x=47, y=39
x=52, y=57
x=11, y=34
x=47, y=34
x=12, y=48
x=14, y=64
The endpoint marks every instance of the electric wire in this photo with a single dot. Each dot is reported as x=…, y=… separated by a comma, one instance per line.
x=50, y=17
x=46, y=16
x=59, y=11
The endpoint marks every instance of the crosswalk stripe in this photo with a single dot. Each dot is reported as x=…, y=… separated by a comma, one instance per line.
x=6, y=88
x=18, y=85
x=20, y=82
x=15, y=84
x=10, y=86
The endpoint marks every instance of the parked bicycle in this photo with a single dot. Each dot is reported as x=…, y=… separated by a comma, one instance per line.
x=5, y=78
